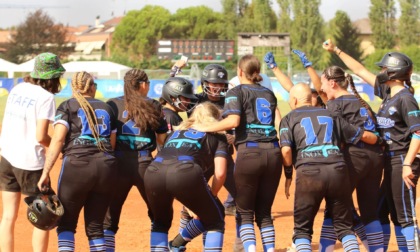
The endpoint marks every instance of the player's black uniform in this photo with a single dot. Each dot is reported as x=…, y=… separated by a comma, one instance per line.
x=229, y=182
x=364, y=161
x=86, y=173
x=133, y=151
x=398, y=118
x=178, y=172
x=258, y=162
x=315, y=137
x=172, y=119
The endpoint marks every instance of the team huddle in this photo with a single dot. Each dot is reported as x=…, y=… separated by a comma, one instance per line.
x=332, y=141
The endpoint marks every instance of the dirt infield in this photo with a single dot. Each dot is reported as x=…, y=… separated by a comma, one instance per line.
x=134, y=233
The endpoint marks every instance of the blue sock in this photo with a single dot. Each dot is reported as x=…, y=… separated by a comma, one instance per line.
x=402, y=244
x=328, y=236
x=185, y=218
x=303, y=245
x=350, y=243
x=214, y=241
x=97, y=244
x=204, y=238
x=408, y=233
x=386, y=229
x=66, y=241
x=109, y=240
x=158, y=242
x=248, y=236
x=375, y=236
x=268, y=238
x=193, y=229
x=359, y=229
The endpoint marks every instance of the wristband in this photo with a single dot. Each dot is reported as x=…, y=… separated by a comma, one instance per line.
x=288, y=171
x=337, y=51
x=406, y=165
x=379, y=141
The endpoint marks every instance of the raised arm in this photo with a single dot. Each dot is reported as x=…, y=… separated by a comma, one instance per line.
x=355, y=66
x=282, y=78
x=312, y=74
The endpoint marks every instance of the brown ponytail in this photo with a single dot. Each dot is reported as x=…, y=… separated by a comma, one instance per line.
x=363, y=102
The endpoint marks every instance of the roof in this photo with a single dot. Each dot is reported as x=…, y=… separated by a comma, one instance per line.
x=6, y=66
x=94, y=66
x=363, y=26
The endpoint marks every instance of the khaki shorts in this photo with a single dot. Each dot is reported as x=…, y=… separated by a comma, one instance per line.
x=13, y=179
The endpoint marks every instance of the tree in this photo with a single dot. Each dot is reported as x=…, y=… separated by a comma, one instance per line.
x=37, y=34
x=136, y=36
x=230, y=18
x=346, y=36
x=285, y=22
x=408, y=26
x=199, y=22
x=382, y=22
x=257, y=17
x=307, y=31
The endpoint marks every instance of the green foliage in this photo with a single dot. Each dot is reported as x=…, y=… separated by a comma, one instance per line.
x=382, y=22
x=199, y=22
x=137, y=34
x=257, y=17
x=37, y=34
x=230, y=16
x=284, y=23
x=408, y=25
x=345, y=35
x=307, y=31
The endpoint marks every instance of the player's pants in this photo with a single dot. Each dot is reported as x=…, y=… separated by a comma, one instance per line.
x=257, y=175
x=313, y=184
x=183, y=180
x=395, y=188
x=86, y=182
x=131, y=168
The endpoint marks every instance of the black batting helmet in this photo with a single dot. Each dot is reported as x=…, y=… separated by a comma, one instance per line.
x=175, y=87
x=398, y=66
x=214, y=73
x=44, y=211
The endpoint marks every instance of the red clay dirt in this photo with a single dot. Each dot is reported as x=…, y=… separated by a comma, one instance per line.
x=134, y=233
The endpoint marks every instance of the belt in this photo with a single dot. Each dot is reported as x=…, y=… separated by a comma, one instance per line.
x=262, y=145
x=395, y=153
x=142, y=153
x=180, y=158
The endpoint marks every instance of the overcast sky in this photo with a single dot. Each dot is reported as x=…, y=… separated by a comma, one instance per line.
x=83, y=12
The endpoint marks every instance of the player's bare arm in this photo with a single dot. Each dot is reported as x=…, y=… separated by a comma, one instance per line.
x=54, y=150
x=286, y=152
x=219, y=177
x=407, y=173
x=232, y=121
x=355, y=66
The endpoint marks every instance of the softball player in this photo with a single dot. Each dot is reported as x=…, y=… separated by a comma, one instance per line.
x=399, y=124
x=84, y=129
x=250, y=109
x=313, y=135
x=178, y=172
x=29, y=110
x=140, y=127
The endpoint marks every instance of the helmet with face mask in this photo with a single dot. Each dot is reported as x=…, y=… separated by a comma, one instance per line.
x=398, y=67
x=175, y=87
x=216, y=74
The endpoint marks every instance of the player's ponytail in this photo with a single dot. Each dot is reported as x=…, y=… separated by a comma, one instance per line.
x=408, y=84
x=139, y=110
x=251, y=67
x=80, y=84
x=362, y=101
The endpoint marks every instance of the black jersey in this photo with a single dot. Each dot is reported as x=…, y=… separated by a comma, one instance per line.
x=315, y=135
x=256, y=106
x=398, y=117
x=172, y=119
x=79, y=139
x=350, y=108
x=129, y=137
x=203, y=147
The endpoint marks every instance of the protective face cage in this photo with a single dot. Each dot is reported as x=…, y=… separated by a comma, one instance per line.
x=215, y=91
x=188, y=108
x=44, y=211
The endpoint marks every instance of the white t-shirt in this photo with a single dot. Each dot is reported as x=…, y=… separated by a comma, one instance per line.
x=26, y=104
x=265, y=82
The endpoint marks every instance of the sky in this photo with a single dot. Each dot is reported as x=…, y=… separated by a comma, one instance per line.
x=84, y=12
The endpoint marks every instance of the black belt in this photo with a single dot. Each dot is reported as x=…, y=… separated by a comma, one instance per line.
x=180, y=158
x=263, y=145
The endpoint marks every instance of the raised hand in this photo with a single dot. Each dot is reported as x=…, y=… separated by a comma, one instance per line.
x=269, y=59
x=328, y=45
x=302, y=56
